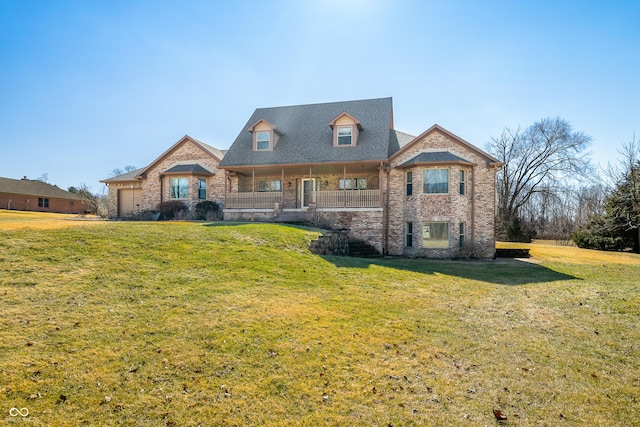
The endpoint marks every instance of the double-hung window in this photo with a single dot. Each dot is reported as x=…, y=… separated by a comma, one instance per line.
x=409, y=183
x=462, y=233
x=435, y=181
x=263, y=140
x=179, y=188
x=43, y=202
x=462, y=182
x=345, y=135
x=353, y=184
x=202, y=189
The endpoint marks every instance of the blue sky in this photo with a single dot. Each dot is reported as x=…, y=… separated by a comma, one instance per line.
x=89, y=86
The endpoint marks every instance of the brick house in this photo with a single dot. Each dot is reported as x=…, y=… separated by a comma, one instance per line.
x=34, y=195
x=340, y=165
x=343, y=165
x=187, y=171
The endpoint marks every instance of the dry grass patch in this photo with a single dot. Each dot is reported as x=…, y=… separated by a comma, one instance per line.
x=14, y=220
x=184, y=324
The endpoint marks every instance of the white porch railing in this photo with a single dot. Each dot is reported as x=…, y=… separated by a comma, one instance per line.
x=262, y=200
x=324, y=199
x=348, y=199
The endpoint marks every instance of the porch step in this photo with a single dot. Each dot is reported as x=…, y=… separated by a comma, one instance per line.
x=331, y=243
x=358, y=248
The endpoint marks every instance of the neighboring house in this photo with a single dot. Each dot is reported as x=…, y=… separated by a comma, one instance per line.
x=34, y=195
x=187, y=172
x=343, y=165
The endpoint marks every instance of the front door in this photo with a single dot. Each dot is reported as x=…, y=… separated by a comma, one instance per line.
x=307, y=195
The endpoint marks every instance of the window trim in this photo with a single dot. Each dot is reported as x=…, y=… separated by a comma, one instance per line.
x=202, y=189
x=408, y=231
x=463, y=182
x=435, y=244
x=258, y=141
x=350, y=136
x=353, y=184
x=409, y=183
x=424, y=185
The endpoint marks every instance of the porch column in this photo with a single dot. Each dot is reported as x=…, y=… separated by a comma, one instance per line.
x=344, y=186
x=282, y=190
x=253, y=188
x=380, y=183
x=312, y=195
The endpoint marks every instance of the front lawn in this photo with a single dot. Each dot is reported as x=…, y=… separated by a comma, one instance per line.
x=185, y=324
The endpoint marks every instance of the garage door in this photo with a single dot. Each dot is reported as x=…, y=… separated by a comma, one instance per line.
x=129, y=201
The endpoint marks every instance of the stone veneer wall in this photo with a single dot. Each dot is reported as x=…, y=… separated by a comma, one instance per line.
x=452, y=207
x=363, y=224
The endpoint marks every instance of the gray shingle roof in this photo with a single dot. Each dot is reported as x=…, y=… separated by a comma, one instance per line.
x=129, y=176
x=193, y=168
x=434, y=157
x=34, y=188
x=213, y=150
x=307, y=137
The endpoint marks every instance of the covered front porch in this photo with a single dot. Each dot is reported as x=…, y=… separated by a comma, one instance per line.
x=344, y=187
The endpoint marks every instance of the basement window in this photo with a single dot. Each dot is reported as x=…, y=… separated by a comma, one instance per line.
x=435, y=235
x=409, y=234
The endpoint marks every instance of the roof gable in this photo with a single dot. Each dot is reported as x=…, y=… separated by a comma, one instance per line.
x=213, y=152
x=349, y=117
x=263, y=121
x=457, y=139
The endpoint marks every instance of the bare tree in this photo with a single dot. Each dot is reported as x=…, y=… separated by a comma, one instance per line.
x=95, y=202
x=119, y=171
x=536, y=159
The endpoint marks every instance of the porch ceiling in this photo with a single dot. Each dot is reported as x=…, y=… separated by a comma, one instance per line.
x=323, y=169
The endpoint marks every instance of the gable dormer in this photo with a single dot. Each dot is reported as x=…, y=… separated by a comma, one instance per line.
x=265, y=135
x=346, y=129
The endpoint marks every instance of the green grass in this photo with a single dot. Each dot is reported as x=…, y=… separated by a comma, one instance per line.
x=185, y=324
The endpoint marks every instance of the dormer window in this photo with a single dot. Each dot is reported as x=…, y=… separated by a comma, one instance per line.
x=346, y=129
x=263, y=140
x=345, y=135
x=265, y=135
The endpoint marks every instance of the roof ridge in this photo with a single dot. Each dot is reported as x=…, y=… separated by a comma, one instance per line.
x=326, y=103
